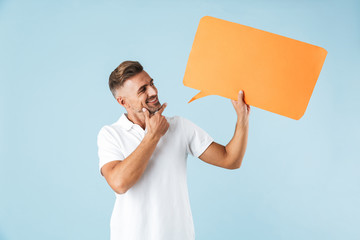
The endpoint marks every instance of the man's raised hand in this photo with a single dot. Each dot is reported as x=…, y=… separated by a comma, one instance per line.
x=242, y=109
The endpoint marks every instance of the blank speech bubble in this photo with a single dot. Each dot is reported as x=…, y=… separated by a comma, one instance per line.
x=276, y=73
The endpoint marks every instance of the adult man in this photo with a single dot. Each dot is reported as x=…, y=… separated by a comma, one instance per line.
x=143, y=159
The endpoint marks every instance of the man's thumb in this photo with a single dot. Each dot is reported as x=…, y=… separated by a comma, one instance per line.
x=241, y=96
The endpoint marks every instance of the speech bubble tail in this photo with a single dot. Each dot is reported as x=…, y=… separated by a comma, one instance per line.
x=197, y=96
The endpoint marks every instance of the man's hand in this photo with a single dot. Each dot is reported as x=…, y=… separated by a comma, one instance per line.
x=242, y=109
x=156, y=124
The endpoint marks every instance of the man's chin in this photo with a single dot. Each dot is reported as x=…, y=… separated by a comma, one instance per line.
x=153, y=110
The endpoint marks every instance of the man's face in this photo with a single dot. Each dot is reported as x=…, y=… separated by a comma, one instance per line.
x=139, y=92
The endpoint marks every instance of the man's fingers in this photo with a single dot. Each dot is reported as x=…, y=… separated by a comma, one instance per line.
x=162, y=109
x=146, y=114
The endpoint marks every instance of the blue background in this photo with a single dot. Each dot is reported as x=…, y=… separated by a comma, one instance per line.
x=299, y=179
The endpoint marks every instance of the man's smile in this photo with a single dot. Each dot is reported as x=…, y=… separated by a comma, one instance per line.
x=153, y=100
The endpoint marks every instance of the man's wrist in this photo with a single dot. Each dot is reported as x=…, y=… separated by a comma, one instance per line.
x=242, y=124
x=151, y=137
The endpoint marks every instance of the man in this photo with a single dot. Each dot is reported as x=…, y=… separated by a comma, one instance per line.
x=143, y=159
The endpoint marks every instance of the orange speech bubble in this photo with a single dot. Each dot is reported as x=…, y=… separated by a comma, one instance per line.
x=276, y=73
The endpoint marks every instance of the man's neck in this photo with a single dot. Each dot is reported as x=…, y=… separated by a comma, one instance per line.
x=138, y=119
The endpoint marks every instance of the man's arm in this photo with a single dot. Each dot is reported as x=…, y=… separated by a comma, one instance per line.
x=122, y=175
x=231, y=155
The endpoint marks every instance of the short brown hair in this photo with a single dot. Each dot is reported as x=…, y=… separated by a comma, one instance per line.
x=124, y=71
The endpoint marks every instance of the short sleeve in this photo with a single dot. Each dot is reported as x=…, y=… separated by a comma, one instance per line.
x=108, y=148
x=197, y=140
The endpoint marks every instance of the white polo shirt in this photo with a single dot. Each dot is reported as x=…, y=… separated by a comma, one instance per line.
x=157, y=206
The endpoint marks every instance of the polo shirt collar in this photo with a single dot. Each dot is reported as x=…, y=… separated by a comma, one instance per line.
x=127, y=124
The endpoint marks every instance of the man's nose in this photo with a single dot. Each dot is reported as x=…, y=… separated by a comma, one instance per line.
x=152, y=91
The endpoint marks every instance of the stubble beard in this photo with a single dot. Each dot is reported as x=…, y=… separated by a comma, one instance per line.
x=155, y=108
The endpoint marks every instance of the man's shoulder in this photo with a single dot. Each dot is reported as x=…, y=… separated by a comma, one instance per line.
x=106, y=130
x=110, y=129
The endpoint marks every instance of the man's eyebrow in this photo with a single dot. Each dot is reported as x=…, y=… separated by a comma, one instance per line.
x=141, y=88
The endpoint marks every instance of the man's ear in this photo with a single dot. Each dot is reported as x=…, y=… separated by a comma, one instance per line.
x=121, y=100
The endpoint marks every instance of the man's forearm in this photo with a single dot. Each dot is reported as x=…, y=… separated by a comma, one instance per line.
x=235, y=149
x=129, y=171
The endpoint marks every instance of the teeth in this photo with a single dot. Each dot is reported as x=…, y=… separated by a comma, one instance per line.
x=152, y=100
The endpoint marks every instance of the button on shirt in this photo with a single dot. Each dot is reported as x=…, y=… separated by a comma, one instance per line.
x=157, y=206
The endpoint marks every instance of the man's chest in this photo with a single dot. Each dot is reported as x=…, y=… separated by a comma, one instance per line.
x=172, y=145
